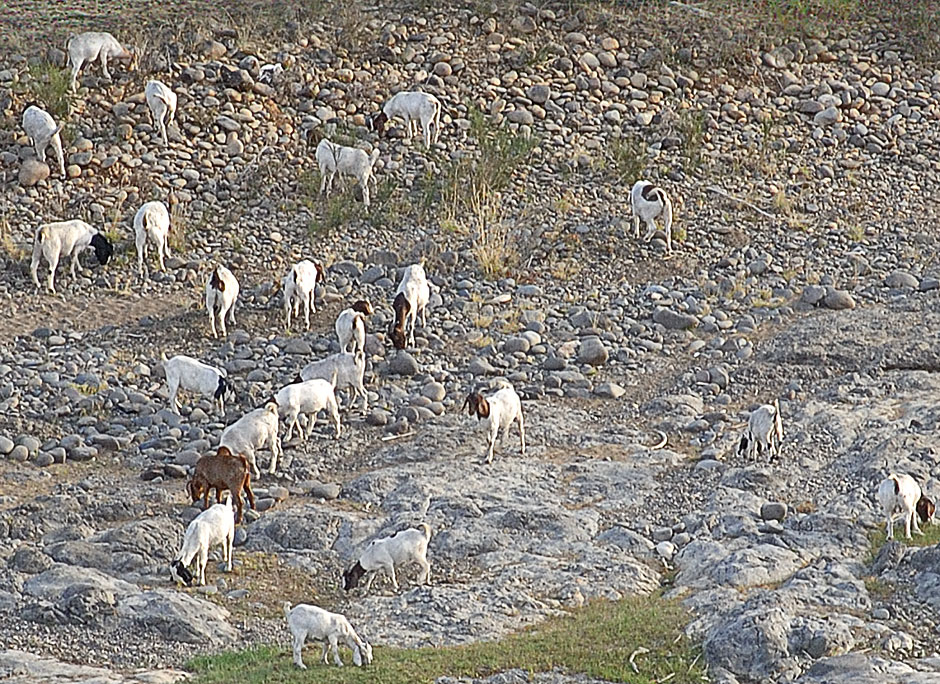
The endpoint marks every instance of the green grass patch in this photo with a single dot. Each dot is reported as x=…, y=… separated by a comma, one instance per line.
x=50, y=86
x=596, y=640
x=930, y=537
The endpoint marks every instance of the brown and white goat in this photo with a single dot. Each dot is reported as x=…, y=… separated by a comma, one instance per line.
x=500, y=410
x=411, y=299
x=220, y=471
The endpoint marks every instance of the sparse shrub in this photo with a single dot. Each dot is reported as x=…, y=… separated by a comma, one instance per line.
x=628, y=158
x=691, y=128
x=49, y=85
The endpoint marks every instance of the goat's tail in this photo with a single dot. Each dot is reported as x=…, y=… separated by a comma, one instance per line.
x=286, y=606
x=333, y=378
x=163, y=357
x=68, y=42
x=58, y=129
x=427, y=530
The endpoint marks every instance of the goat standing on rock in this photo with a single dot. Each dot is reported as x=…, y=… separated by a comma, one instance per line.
x=351, y=326
x=415, y=108
x=300, y=285
x=85, y=48
x=350, y=161
x=221, y=293
x=66, y=238
x=43, y=131
x=387, y=552
x=902, y=493
x=213, y=526
x=220, y=471
x=411, y=298
x=647, y=202
x=499, y=410
x=764, y=432
x=152, y=224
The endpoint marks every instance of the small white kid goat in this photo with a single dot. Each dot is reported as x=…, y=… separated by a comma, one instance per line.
x=162, y=103
x=349, y=161
x=305, y=620
x=348, y=369
x=185, y=372
x=387, y=552
x=411, y=298
x=500, y=410
x=414, y=107
x=85, y=48
x=300, y=285
x=647, y=202
x=66, y=239
x=764, y=432
x=152, y=224
x=215, y=525
x=902, y=493
x=42, y=131
x=221, y=293
x=308, y=398
x=351, y=326
x=253, y=431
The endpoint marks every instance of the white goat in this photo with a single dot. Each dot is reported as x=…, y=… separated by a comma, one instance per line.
x=902, y=493
x=764, y=432
x=269, y=73
x=349, y=370
x=349, y=161
x=253, y=431
x=162, y=103
x=185, y=372
x=500, y=410
x=308, y=398
x=305, y=621
x=221, y=293
x=300, y=285
x=68, y=239
x=42, y=130
x=215, y=525
x=85, y=48
x=351, y=326
x=387, y=552
x=647, y=202
x=411, y=298
x=414, y=107
x=152, y=224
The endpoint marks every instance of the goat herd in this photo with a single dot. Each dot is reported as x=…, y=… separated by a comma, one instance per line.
x=232, y=466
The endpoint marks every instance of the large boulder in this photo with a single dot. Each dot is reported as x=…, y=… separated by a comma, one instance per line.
x=179, y=617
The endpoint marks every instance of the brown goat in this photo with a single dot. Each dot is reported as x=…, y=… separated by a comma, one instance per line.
x=397, y=330
x=222, y=470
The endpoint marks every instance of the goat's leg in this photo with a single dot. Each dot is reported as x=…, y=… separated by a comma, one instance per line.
x=298, y=648
x=493, y=435
x=334, y=647
x=390, y=569
x=914, y=524
x=326, y=649
x=650, y=229
x=76, y=67
x=889, y=528
x=425, y=570
x=907, y=524
x=522, y=433
x=103, y=58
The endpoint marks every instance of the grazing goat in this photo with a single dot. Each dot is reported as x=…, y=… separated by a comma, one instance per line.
x=349, y=161
x=351, y=326
x=305, y=621
x=220, y=471
x=152, y=224
x=647, y=202
x=68, y=239
x=308, y=398
x=414, y=107
x=42, y=130
x=902, y=493
x=85, y=48
x=411, y=298
x=253, y=431
x=221, y=293
x=162, y=103
x=185, y=372
x=270, y=73
x=387, y=552
x=213, y=526
x=764, y=432
x=300, y=285
x=348, y=369
x=499, y=410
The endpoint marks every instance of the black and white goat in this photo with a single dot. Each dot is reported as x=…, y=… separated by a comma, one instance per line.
x=66, y=239
x=351, y=326
x=764, y=432
x=255, y=430
x=162, y=102
x=350, y=161
x=215, y=525
x=221, y=293
x=387, y=552
x=415, y=108
x=648, y=202
x=500, y=410
x=152, y=224
x=43, y=131
x=347, y=369
x=411, y=298
x=305, y=621
x=300, y=285
x=901, y=493
x=185, y=372
x=85, y=48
